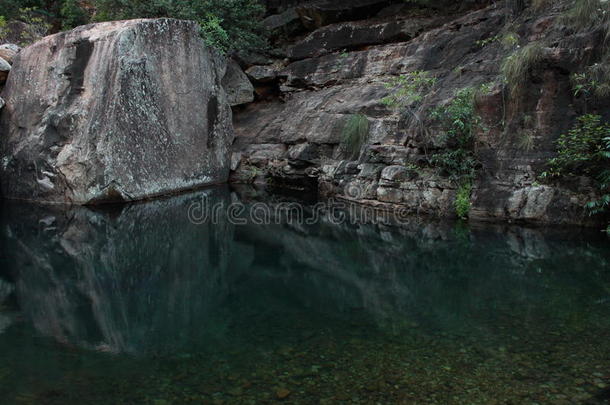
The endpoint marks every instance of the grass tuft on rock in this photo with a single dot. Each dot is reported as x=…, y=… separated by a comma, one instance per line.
x=589, y=15
x=354, y=134
x=518, y=67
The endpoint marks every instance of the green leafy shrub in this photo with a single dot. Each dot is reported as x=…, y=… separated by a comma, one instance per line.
x=582, y=151
x=354, y=135
x=72, y=14
x=3, y=26
x=459, y=121
x=594, y=82
x=11, y=8
x=38, y=25
x=228, y=25
x=408, y=89
x=456, y=164
x=462, y=200
x=37, y=14
x=585, y=150
x=214, y=33
x=240, y=19
x=458, y=118
x=603, y=203
x=484, y=42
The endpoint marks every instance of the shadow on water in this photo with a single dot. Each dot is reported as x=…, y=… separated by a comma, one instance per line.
x=235, y=313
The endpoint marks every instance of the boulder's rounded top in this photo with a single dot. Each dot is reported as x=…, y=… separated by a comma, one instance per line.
x=100, y=30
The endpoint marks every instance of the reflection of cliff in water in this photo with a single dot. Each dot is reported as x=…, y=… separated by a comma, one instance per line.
x=144, y=279
x=436, y=276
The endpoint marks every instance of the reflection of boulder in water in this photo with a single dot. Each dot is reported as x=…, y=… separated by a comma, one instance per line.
x=5, y=322
x=134, y=280
x=5, y=290
x=5, y=318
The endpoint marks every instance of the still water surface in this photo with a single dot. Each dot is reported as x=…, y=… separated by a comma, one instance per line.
x=137, y=305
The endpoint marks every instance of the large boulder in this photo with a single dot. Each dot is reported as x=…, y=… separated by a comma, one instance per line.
x=115, y=111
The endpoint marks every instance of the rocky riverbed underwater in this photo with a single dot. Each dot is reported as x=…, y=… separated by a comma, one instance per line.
x=138, y=305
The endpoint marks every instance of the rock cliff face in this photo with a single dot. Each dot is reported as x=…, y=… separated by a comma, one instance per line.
x=115, y=111
x=128, y=110
x=294, y=133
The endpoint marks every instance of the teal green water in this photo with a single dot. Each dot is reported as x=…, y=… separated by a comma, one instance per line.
x=137, y=305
